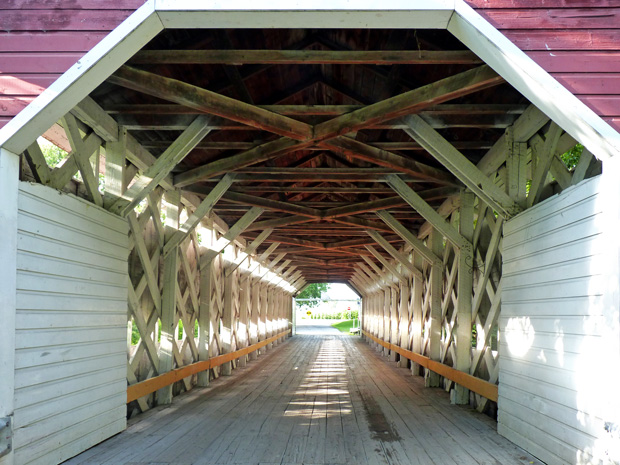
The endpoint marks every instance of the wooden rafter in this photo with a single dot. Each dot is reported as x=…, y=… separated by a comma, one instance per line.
x=82, y=151
x=279, y=222
x=209, y=102
x=408, y=237
x=409, y=102
x=255, y=155
x=386, y=263
x=178, y=122
x=398, y=256
x=364, y=207
x=380, y=157
x=276, y=205
x=234, y=231
x=319, y=110
x=241, y=57
x=461, y=167
x=201, y=211
x=146, y=181
x=429, y=213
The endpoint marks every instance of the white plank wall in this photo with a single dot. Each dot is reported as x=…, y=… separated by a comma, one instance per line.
x=71, y=331
x=559, y=339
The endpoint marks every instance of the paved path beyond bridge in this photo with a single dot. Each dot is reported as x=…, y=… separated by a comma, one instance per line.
x=318, y=398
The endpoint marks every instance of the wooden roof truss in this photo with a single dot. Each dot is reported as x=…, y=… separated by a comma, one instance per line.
x=339, y=184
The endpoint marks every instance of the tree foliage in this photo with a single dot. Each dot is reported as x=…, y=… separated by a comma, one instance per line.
x=571, y=157
x=313, y=291
x=53, y=155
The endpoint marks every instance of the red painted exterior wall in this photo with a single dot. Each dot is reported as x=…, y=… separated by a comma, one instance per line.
x=576, y=42
x=41, y=39
x=579, y=44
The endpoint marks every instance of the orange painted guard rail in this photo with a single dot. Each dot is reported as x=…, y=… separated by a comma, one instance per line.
x=143, y=388
x=477, y=385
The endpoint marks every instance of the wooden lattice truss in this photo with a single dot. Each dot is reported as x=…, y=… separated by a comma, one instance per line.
x=418, y=308
x=424, y=289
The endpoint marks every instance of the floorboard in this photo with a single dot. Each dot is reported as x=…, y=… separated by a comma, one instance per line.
x=318, y=398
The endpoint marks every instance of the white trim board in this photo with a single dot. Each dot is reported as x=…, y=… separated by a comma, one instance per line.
x=9, y=176
x=454, y=15
x=321, y=14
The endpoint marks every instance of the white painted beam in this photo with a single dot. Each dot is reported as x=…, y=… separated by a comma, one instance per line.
x=201, y=211
x=9, y=180
x=386, y=263
x=464, y=290
x=424, y=209
x=408, y=237
x=236, y=229
x=401, y=258
x=391, y=14
x=146, y=181
x=249, y=250
x=455, y=162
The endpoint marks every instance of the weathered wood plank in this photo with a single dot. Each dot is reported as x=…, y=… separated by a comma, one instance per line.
x=424, y=209
x=409, y=102
x=460, y=166
x=149, y=179
x=203, y=209
x=210, y=102
x=255, y=155
x=241, y=57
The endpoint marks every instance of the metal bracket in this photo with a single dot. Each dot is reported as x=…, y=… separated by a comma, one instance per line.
x=6, y=435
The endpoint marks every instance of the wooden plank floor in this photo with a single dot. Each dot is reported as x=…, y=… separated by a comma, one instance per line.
x=319, y=398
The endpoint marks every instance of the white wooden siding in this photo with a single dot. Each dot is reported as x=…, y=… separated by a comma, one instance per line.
x=557, y=334
x=71, y=326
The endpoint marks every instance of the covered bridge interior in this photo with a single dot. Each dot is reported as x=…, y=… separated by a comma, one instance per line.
x=234, y=163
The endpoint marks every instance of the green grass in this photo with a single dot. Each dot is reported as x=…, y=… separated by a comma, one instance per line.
x=345, y=326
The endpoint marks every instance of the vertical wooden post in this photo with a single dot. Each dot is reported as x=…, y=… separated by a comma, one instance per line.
x=275, y=319
x=367, y=312
x=387, y=300
x=169, y=295
x=431, y=379
x=285, y=312
x=271, y=314
x=292, y=315
x=460, y=395
x=262, y=327
x=242, y=327
x=393, y=320
x=273, y=305
x=205, y=331
x=227, y=319
x=115, y=167
x=516, y=168
x=361, y=315
x=369, y=319
x=404, y=322
x=377, y=322
x=281, y=313
x=255, y=313
x=379, y=315
x=9, y=185
x=417, y=317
